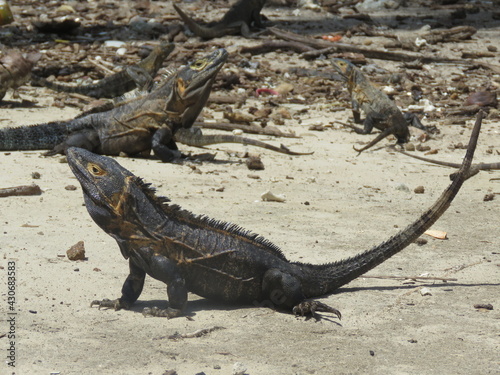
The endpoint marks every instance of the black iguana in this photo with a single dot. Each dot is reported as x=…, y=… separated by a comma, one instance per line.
x=215, y=259
x=119, y=83
x=380, y=111
x=149, y=122
x=136, y=126
x=238, y=20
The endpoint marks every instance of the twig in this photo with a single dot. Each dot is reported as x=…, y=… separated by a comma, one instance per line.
x=197, y=333
x=328, y=47
x=410, y=278
x=21, y=190
x=250, y=129
x=99, y=65
x=272, y=45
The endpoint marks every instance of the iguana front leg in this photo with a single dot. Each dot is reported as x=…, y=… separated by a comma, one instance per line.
x=87, y=139
x=131, y=290
x=164, y=146
x=368, y=124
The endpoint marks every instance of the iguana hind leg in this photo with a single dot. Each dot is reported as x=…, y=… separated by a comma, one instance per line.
x=166, y=270
x=284, y=291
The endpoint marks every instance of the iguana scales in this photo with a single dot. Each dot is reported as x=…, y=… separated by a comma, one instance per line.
x=238, y=20
x=149, y=122
x=215, y=259
x=380, y=111
x=119, y=83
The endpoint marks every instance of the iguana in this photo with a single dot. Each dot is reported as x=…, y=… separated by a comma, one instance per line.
x=119, y=83
x=238, y=20
x=15, y=70
x=380, y=111
x=216, y=259
x=149, y=122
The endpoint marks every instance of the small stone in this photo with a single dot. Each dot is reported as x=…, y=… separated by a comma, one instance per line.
x=421, y=241
x=402, y=187
x=36, y=175
x=419, y=190
x=70, y=187
x=254, y=163
x=239, y=368
x=410, y=147
x=488, y=197
x=76, y=252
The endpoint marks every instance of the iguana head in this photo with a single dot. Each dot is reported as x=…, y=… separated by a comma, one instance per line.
x=192, y=86
x=104, y=183
x=343, y=67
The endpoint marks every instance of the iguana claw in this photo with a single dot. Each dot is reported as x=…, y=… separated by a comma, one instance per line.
x=310, y=307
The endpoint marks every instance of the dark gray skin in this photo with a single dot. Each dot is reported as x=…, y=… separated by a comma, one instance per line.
x=238, y=20
x=215, y=259
x=380, y=111
x=148, y=122
x=121, y=82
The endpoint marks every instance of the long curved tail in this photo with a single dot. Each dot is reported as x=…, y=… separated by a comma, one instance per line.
x=328, y=277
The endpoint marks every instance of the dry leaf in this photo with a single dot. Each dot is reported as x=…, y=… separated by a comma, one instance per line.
x=438, y=234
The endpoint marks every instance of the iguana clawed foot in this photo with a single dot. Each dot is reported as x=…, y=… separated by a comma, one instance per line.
x=311, y=307
x=108, y=303
x=162, y=313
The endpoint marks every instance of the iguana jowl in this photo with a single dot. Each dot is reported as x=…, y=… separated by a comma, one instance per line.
x=119, y=83
x=149, y=122
x=380, y=111
x=238, y=20
x=215, y=259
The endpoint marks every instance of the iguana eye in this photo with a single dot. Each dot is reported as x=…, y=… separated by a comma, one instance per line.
x=95, y=169
x=199, y=64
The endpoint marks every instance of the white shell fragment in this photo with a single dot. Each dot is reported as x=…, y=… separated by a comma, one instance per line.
x=114, y=43
x=425, y=292
x=268, y=196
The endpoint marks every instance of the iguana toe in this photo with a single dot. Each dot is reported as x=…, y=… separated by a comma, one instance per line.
x=311, y=307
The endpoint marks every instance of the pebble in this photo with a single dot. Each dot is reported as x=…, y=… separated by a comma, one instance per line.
x=77, y=251
x=239, y=368
x=419, y=190
x=425, y=292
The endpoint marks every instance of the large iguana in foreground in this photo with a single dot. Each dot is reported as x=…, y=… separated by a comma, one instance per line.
x=216, y=259
x=238, y=20
x=380, y=111
x=119, y=83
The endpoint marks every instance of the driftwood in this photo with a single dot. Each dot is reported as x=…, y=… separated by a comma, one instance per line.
x=325, y=47
x=250, y=129
x=20, y=190
x=273, y=45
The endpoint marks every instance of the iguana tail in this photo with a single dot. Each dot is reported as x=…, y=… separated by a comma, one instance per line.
x=187, y=137
x=201, y=31
x=33, y=137
x=328, y=277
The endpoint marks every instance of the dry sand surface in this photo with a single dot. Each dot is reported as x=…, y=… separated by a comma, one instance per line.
x=337, y=204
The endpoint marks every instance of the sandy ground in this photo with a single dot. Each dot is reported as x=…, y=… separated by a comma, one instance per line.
x=337, y=204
